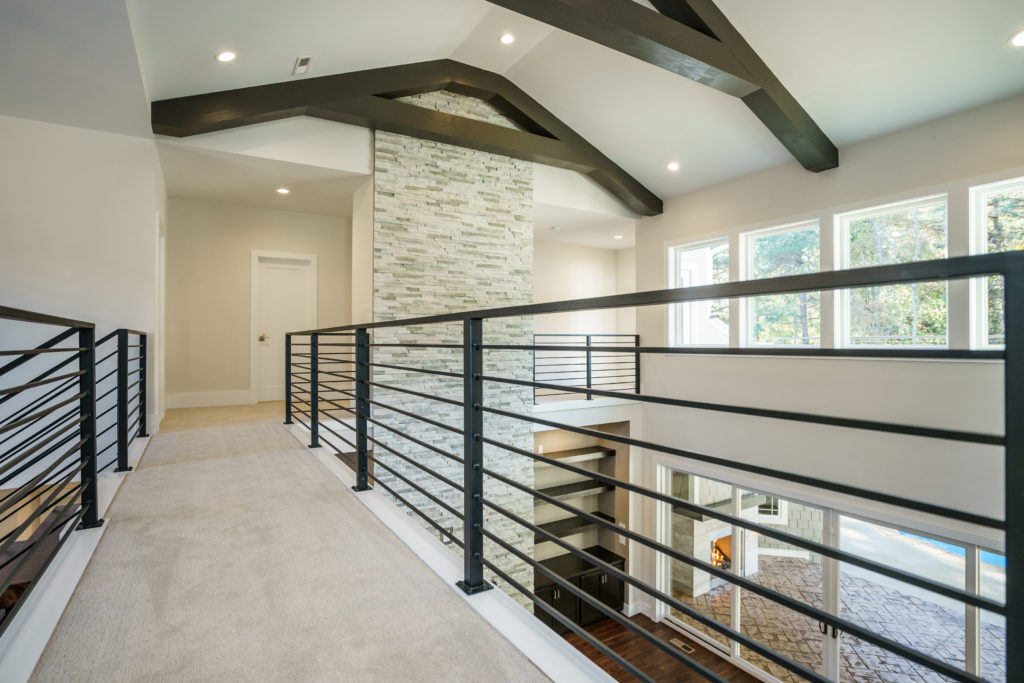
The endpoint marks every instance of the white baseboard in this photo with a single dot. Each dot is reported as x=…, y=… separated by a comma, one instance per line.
x=551, y=653
x=204, y=399
x=30, y=630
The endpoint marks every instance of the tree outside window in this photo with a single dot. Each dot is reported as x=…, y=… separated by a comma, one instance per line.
x=785, y=319
x=1002, y=228
x=909, y=315
x=701, y=323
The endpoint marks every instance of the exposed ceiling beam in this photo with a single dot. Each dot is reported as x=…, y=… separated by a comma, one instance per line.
x=693, y=39
x=366, y=98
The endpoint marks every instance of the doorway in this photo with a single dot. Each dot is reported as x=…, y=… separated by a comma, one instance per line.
x=283, y=299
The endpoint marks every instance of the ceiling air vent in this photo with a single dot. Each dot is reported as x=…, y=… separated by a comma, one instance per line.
x=301, y=66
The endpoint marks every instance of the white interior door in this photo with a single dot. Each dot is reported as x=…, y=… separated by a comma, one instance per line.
x=285, y=293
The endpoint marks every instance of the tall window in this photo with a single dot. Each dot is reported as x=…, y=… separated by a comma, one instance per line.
x=784, y=319
x=998, y=226
x=700, y=323
x=909, y=315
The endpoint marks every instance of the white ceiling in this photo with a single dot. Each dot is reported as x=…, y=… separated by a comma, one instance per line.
x=586, y=228
x=861, y=69
x=193, y=173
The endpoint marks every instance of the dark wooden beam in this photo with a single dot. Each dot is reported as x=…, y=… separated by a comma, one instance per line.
x=368, y=98
x=693, y=39
x=772, y=103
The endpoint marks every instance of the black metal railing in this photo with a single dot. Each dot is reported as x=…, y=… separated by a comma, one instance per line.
x=572, y=369
x=50, y=409
x=465, y=498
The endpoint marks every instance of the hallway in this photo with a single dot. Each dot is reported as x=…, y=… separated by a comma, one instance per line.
x=232, y=554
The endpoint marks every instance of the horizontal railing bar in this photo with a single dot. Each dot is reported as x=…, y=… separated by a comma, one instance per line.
x=442, y=373
x=413, y=439
x=845, y=489
x=691, y=612
x=106, y=393
x=873, y=352
x=39, y=492
x=324, y=412
x=779, y=535
x=420, y=346
x=921, y=271
x=48, y=480
x=107, y=376
x=42, y=413
x=435, y=423
x=574, y=334
x=105, y=448
x=36, y=352
x=136, y=370
x=33, y=317
x=10, y=460
x=106, y=357
x=413, y=508
x=595, y=603
x=35, y=481
x=436, y=475
x=107, y=429
x=39, y=383
x=445, y=506
x=337, y=374
x=135, y=332
x=58, y=338
x=415, y=393
x=134, y=384
x=754, y=587
x=871, y=425
x=37, y=434
x=571, y=625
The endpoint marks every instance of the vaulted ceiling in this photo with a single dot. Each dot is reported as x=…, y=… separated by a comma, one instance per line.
x=860, y=69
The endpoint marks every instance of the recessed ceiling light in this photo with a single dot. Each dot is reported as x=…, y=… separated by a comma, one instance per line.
x=1017, y=39
x=507, y=39
x=226, y=56
x=618, y=237
x=283, y=190
x=555, y=227
x=673, y=166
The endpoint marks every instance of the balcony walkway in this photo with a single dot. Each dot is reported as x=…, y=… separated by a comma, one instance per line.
x=231, y=554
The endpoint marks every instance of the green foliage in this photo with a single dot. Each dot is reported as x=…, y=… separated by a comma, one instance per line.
x=900, y=314
x=786, y=318
x=1005, y=229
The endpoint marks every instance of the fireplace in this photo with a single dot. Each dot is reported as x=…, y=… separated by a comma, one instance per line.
x=721, y=556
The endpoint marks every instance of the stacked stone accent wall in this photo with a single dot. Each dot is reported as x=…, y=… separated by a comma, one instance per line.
x=453, y=231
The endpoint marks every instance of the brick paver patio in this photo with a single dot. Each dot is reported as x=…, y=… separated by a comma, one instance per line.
x=923, y=625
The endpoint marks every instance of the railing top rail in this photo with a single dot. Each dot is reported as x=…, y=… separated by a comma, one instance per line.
x=8, y=313
x=922, y=271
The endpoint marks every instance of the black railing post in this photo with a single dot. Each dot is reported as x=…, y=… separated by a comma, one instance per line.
x=1014, y=472
x=590, y=380
x=534, y=370
x=287, y=379
x=122, y=401
x=362, y=406
x=473, y=457
x=636, y=363
x=87, y=430
x=143, y=370
x=314, y=391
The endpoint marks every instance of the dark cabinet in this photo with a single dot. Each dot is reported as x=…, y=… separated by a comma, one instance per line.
x=591, y=580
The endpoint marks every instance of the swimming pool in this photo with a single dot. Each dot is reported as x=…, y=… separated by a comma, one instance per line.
x=986, y=557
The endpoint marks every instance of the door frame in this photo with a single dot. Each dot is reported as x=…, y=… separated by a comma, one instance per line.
x=254, y=288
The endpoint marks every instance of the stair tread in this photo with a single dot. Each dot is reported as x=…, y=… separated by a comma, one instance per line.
x=576, y=488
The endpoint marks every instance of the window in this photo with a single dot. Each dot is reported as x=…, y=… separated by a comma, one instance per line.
x=784, y=319
x=909, y=315
x=773, y=511
x=702, y=323
x=998, y=226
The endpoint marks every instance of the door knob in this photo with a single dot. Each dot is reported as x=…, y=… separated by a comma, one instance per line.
x=264, y=337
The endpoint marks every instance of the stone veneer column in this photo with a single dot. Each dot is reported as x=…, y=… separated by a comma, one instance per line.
x=453, y=231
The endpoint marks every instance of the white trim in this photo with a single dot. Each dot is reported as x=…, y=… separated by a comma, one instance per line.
x=30, y=630
x=254, y=281
x=784, y=552
x=203, y=399
x=978, y=236
x=551, y=653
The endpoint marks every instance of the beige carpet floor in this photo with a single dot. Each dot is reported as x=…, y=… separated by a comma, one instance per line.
x=233, y=555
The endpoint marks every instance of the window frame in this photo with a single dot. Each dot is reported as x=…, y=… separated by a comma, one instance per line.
x=679, y=313
x=842, y=229
x=747, y=240
x=979, y=245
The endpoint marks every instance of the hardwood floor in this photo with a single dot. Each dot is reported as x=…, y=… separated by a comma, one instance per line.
x=655, y=663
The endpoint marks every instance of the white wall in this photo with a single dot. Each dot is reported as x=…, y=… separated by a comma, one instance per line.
x=208, y=262
x=78, y=225
x=947, y=155
x=570, y=271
